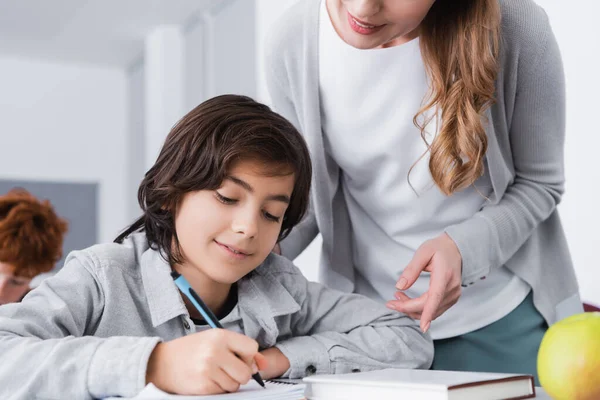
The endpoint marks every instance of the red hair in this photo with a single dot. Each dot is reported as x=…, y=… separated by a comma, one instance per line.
x=31, y=234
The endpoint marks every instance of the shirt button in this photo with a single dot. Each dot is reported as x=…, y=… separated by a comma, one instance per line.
x=186, y=324
x=310, y=370
x=355, y=370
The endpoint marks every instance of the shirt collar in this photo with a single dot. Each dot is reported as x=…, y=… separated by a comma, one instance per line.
x=261, y=297
x=162, y=295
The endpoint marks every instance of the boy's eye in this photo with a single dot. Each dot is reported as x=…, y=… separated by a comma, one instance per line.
x=17, y=283
x=225, y=200
x=271, y=217
x=229, y=201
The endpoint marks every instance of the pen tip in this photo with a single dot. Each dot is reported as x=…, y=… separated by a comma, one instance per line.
x=258, y=379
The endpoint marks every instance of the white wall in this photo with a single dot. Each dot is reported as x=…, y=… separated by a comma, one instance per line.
x=64, y=122
x=220, y=59
x=577, y=32
x=135, y=137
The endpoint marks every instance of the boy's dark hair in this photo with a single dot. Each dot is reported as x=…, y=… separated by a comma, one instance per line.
x=31, y=234
x=200, y=150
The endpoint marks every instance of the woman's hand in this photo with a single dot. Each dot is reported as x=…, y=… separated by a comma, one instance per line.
x=208, y=362
x=442, y=259
x=277, y=363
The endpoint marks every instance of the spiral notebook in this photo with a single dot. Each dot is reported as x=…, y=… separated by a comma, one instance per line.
x=275, y=390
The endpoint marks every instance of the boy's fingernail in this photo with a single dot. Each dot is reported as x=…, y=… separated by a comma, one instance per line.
x=426, y=327
x=401, y=283
x=391, y=306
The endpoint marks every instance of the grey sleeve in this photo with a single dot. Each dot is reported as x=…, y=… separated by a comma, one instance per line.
x=279, y=89
x=336, y=332
x=47, y=349
x=300, y=236
x=537, y=133
x=277, y=81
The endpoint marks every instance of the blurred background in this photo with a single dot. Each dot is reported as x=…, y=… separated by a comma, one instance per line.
x=90, y=88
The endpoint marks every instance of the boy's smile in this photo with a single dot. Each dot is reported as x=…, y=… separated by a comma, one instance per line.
x=234, y=251
x=226, y=233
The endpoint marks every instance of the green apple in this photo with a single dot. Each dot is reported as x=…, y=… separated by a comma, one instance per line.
x=569, y=358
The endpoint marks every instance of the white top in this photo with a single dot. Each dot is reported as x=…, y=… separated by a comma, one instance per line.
x=368, y=101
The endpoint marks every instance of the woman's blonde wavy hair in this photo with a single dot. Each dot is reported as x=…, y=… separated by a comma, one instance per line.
x=460, y=45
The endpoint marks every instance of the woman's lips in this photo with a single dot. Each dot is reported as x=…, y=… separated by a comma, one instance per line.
x=361, y=27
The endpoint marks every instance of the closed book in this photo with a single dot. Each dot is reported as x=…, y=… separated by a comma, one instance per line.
x=394, y=384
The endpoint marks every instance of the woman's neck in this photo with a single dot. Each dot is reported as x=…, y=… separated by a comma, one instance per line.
x=400, y=40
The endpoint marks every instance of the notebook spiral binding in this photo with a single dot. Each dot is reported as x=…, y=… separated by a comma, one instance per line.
x=281, y=382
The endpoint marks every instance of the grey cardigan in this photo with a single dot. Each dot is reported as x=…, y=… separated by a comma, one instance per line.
x=519, y=227
x=89, y=330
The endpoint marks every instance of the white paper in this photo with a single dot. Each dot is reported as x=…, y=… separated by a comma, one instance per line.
x=252, y=390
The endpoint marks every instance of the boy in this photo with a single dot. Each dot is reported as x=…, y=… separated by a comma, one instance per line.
x=231, y=180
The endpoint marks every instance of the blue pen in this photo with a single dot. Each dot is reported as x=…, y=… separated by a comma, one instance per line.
x=207, y=314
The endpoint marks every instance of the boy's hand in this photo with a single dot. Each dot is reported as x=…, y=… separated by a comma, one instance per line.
x=277, y=363
x=209, y=362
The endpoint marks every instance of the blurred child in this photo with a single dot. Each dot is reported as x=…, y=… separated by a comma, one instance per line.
x=31, y=238
x=231, y=180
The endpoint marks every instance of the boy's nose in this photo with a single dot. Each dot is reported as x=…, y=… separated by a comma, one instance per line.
x=246, y=226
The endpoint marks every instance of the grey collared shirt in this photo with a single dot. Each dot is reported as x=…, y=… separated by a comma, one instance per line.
x=88, y=331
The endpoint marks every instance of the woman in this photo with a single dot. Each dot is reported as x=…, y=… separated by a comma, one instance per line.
x=436, y=130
